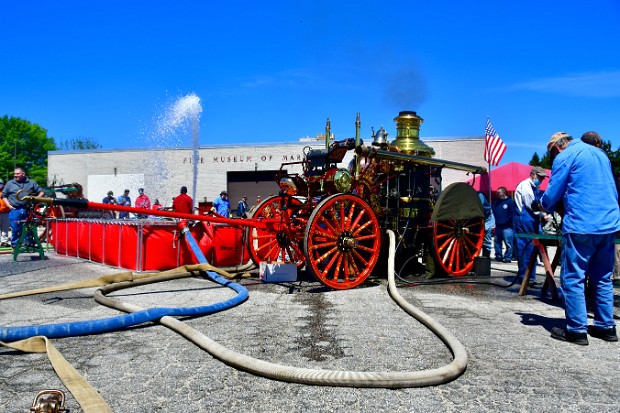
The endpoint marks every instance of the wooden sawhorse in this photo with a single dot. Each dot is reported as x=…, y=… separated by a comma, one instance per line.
x=541, y=242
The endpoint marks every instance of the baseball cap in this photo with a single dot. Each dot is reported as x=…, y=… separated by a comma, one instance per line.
x=110, y=193
x=539, y=171
x=556, y=137
x=223, y=192
x=1, y=181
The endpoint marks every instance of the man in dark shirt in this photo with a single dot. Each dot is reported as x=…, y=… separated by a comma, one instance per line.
x=243, y=208
x=18, y=209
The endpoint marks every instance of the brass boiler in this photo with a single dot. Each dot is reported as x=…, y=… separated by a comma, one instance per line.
x=408, y=135
x=410, y=197
x=407, y=148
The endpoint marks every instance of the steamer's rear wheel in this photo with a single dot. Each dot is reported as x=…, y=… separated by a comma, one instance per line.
x=282, y=241
x=457, y=242
x=458, y=229
x=342, y=241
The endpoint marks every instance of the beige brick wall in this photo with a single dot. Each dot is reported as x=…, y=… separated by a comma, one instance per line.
x=163, y=171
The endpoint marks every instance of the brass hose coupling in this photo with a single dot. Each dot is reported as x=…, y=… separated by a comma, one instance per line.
x=49, y=401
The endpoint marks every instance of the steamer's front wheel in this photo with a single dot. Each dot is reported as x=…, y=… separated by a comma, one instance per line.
x=342, y=241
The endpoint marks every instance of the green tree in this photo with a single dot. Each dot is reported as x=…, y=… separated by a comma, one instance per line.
x=614, y=156
x=24, y=144
x=544, y=162
x=79, y=143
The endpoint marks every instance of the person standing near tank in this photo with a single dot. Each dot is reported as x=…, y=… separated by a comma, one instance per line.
x=504, y=211
x=221, y=205
x=124, y=200
x=243, y=208
x=142, y=201
x=183, y=203
x=589, y=227
x=109, y=199
x=18, y=209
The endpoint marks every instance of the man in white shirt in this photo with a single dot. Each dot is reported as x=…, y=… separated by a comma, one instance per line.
x=528, y=221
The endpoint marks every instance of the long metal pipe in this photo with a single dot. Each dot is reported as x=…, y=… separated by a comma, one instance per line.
x=263, y=223
x=371, y=152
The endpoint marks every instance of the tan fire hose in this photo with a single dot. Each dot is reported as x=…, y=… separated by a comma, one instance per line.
x=275, y=371
x=89, y=399
x=314, y=376
x=185, y=270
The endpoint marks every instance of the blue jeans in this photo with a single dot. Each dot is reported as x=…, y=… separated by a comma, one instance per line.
x=487, y=241
x=525, y=224
x=503, y=235
x=591, y=255
x=16, y=220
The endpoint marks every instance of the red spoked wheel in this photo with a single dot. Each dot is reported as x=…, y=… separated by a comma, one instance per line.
x=342, y=241
x=457, y=242
x=282, y=240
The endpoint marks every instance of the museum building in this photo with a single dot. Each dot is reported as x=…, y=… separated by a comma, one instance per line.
x=247, y=169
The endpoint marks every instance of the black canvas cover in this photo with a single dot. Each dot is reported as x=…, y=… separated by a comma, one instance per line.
x=458, y=201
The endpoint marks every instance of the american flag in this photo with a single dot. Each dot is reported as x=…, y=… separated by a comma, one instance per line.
x=494, y=147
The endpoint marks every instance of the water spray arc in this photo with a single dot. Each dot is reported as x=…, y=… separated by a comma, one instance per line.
x=182, y=116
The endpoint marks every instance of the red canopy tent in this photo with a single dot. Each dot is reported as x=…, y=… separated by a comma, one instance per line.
x=508, y=175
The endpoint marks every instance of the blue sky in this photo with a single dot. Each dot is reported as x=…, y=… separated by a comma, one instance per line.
x=276, y=70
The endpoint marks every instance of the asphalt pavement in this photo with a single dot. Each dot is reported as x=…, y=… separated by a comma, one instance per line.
x=514, y=365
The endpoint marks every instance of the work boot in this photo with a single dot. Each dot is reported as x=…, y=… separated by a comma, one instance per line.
x=565, y=335
x=607, y=334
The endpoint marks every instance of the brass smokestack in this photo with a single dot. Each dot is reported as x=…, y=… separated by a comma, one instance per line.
x=408, y=135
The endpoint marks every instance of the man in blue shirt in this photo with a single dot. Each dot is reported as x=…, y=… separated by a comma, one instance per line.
x=222, y=205
x=581, y=178
x=124, y=200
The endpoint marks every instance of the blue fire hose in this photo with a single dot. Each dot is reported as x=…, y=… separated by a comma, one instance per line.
x=81, y=328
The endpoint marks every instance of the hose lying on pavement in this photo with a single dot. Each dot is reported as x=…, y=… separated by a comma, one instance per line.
x=80, y=328
x=314, y=376
x=274, y=371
